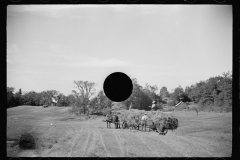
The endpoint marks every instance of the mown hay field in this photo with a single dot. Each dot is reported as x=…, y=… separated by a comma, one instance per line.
x=205, y=135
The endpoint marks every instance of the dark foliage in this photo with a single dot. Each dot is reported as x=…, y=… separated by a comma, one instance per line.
x=27, y=141
x=216, y=91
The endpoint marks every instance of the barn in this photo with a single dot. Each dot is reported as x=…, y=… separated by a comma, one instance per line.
x=180, y=106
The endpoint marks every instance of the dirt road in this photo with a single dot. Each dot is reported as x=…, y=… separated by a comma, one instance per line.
x=91, y=138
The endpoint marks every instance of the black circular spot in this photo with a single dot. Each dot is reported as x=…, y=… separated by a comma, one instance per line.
x=118, y=87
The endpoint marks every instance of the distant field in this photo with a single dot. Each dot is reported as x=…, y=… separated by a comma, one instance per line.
x=205, y=135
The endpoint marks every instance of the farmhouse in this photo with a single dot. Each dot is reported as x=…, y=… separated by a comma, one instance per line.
x=54, y=101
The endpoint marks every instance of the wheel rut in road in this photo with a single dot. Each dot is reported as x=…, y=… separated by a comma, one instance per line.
x=80, y=143
x=122, y=143
x=88, y=143
x=98, y=147
x=215, y=149
x=111, y=143
x=186, y=148
x=135, y=146
x=202, y=150
x=105, y=147
x=160, y=148
x=75, y=140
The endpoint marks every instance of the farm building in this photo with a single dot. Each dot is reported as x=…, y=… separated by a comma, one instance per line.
x=54, y=101
x=181, y=106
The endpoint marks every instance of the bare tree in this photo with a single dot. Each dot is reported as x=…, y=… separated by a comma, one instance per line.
x=86, y=91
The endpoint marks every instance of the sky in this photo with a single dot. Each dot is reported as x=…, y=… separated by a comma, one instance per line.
x=50, y=46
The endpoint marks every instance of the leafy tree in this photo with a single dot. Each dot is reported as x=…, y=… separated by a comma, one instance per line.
x=215, y=91
x=93, y=104
x=141, y=98
x=62, y=100
x=151, y=91
x=45, y=97
x=176, y=96
x=85, y=92
x=225, y=87
x=108, y=103
x=185, y=98
x=18, y=100
x=135, y=98
x=164, y=92
x=145, y=101
x=10, y=97
x=197, y=91
x=71, y=99
x=100, y=98
x=31, y=98
x=20, y=91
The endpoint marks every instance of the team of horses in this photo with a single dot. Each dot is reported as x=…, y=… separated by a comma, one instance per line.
x=160, y=125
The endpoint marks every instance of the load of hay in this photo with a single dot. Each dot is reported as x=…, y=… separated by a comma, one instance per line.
x=153, y=115
x=133, y=118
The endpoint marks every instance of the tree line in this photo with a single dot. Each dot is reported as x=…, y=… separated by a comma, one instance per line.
x=80, y=100
x=215, y=91
x=36, y=98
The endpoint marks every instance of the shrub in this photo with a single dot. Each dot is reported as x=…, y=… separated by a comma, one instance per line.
x=227, y=109
x=45, y=106
x=105, y=111
x=76, y=110
x=27, y=141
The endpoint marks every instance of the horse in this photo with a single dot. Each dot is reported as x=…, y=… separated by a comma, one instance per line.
x=109, y=120
x=112, y=119
x=116, y=121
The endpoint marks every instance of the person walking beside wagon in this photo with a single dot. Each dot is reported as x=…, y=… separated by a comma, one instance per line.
x=144, y=121
x=144, y=117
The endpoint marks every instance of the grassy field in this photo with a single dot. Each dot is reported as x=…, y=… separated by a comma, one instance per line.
x=205, y=135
